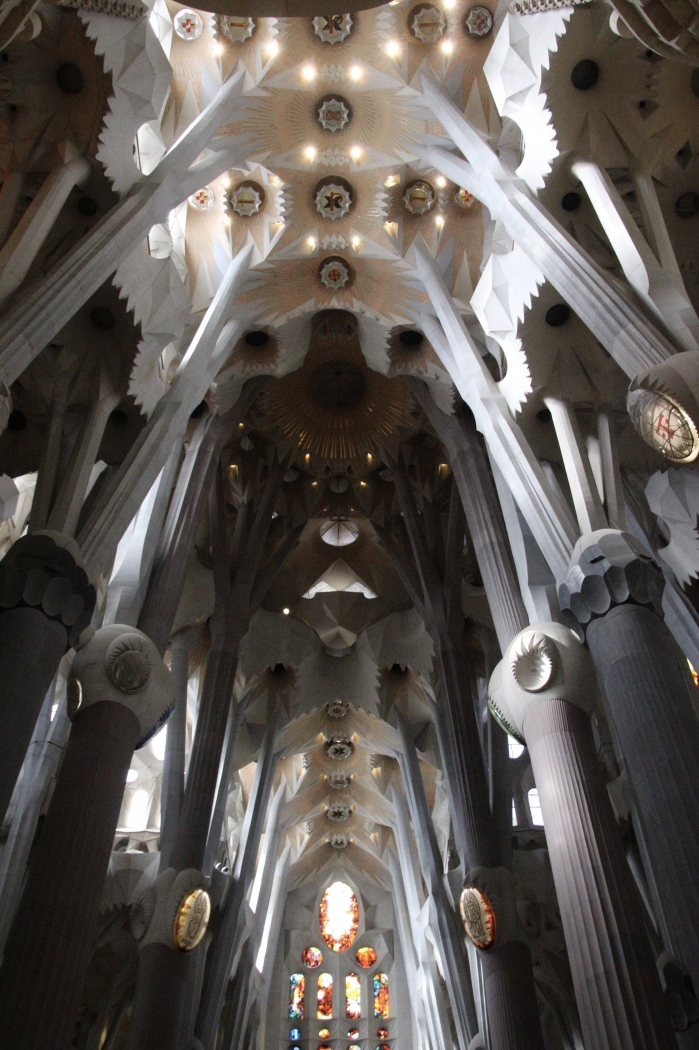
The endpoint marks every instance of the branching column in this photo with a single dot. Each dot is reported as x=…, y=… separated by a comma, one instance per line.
x=545, y=689
x=118, y=694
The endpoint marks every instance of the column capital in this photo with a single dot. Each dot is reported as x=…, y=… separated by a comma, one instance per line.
x=608, y=568
x=120, y=663
x=44, y=570
x=546, y=661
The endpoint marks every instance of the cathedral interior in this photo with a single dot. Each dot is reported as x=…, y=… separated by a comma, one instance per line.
x=349, y=545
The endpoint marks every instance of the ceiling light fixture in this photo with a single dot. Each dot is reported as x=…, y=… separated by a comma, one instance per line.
x=285, y=611
x=355, y=73
x=309, y=152
x=311, y=242
x=392, y=48
x=217, y=49
x=355, y=153
x=272, y=48
x=355, y=243
x=441, y=181
x=439, y=219
x=447, y=47
x=308, y=73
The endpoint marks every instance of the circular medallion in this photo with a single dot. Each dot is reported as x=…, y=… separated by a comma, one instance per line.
x=426, y=23
x=333, y=197
x=332, y=29
x=478, y=917
x=333, y=112
x=464, y=199
x=338, y=781
x=312, y=957
x=334, y=272
x=533, y=665
x=338, y=709
x=338, y=812
x=324, y=1033
x=366, y=957
x=419, y=197
x=191, y=920
x=295, y=1034
x=382, y=1033
x=339, y=842
x=478, y=21
x=203, y=199
x=247, y=199
x=74, y=698
x=339, y=749
x=189, y=25
x=663, y=424
x=236, y=27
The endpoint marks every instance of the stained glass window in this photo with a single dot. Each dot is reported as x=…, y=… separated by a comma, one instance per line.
x=366, y=957
x=353, y=996
x=324, y=1033
x=353, y=1033
x=354, y=1046
x=311, y=957
x=382, y=1033
x=381, y=1004
x=297, y=987
x=295, y=1034
x=383, y=1046
x=339, y=916
x=325, y=996
x=323, y=1048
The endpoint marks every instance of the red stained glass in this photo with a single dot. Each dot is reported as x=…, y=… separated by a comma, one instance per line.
x=324, y=1033
x=382, y=1033
x=366, y=957
x=311, y=957
x=353, y=1033
x=339, y=916
x=297, y=987
x=325, y=996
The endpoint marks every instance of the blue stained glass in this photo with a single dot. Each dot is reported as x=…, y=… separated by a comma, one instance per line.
x=295, y=1034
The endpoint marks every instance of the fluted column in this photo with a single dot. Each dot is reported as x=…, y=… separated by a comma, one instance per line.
x=119, y=693
x=614, y=591
x=545, y=688
x=46, y=600
x=172, y=792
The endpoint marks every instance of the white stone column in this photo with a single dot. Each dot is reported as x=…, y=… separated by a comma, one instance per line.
x=544, y=690
x=26, y=239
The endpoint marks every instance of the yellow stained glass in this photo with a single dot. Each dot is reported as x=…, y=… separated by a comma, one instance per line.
x=311, y=957
x=353, y=996
x=325, y=996
x=324, y=1033
x=297, y=987
x=381, y=1003
x=366, y=957
x=339, y=916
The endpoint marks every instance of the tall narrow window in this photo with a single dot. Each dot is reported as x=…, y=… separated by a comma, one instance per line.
x=297, y=988
x=535, y=807
x=325, y=996
x=339, y=916
x=381, y=1004
x=353, y=996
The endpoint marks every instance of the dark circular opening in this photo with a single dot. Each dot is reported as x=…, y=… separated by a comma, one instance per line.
x=5, y=57
x=69, y=78
x=557, y=315
x=337, y=384
x=585, y=75
x=544, y=416
x=256, y=338
x=642, y=104
x=119, y=417
x=411, y=337
x=87, y=207
x=571, y=201
x=694, y=82
x=12, y=107
x=199, y=410
x=278, y=669
x=102, y=318
x=17, y=420
x=687, y=205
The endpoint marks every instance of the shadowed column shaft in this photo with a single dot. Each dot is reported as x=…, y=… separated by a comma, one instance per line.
x=648, y=691
x=50, y=942
x=31, y=647
x=617, y=987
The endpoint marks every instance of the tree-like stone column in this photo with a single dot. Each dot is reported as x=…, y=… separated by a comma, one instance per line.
x=613, y=592
x=119, y=693
x=46, y=601
x=544, y=690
